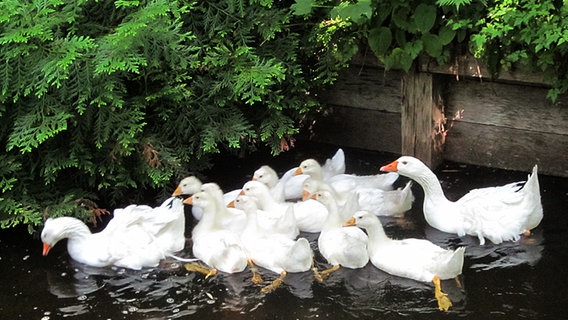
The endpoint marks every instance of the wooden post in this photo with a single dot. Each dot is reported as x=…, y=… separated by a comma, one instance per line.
x=422, y=118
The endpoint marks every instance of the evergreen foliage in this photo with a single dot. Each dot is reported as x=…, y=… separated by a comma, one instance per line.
x=104, y=100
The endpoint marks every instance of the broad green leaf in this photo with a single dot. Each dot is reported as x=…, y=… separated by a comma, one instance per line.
x=446, y=35
x=400, y=37
x=357, y=12
x=432, y=44
x=382, y=12
x=414, y=48
x=425, y=17
x=399, y=59
x=303, y=7
x=380, y=40
x=400, y=18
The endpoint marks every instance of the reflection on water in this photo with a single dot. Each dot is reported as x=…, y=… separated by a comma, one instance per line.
x=166, y=290
x=523, y=279
x=172, y=292
x=528, y=250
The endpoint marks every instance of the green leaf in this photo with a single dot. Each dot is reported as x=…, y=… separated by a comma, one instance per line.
x=358, y=12
x=380, y=40
x=400, y=18
x=400, y=36
x=303, y=7
x=446, y=35
x=432, y=44
x=425, y=17
x=399, y=59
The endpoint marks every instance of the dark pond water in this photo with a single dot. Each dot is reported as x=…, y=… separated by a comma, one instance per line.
x=521, y=280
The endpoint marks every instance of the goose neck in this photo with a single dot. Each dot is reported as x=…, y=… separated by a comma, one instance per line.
x=333, y=218
x=210, y=218
x=431, y=185
x=252, y=225
x=376, y=233
x=76, y=230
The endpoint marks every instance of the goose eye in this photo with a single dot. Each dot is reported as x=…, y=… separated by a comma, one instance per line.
x=405, y=162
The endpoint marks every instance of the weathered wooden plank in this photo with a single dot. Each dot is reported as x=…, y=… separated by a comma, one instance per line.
x=469, y=67
x=359, y=128
x=513, y=106
x=365, y=88
x=507, y=148
x=421, y=118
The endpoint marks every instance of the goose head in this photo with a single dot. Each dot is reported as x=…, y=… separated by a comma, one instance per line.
x=407, y=166
x=200, y=199
x=311, y=185
x=323, y=196
x=255, y=189
x=310, y=167
x=188, y=185
x=245, y=203
x=362, y=219
x=266, y=175
x=56, y=229
x=213, y=189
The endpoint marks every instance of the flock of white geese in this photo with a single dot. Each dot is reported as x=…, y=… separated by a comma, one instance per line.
x=260, y=224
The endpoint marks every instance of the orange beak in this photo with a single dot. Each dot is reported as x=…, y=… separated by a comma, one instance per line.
x=188, y=201
x=177, y=192
x=305, y=195
x=314, y=196
x=253, y=179
x=231, y=204
x=350, y=222
x=391, y=167
x=46, y=248
x=298, y=171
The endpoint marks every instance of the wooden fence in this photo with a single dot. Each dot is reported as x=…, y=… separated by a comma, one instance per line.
x=448, y=113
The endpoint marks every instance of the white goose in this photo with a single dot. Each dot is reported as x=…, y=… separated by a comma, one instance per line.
x=496, y=213
x=190, y=185
x=347, y=203
x=290, y=185
x=124, y=239
x=218, y=247
x=343, y=183
x=229, y=218
x=274, y=252
x=280, y=215
x=122, y=243
x=377, y=201
x=392, y=203
x=166, y=222
x=416, y=259
x=334, y=165
x=339, y=245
